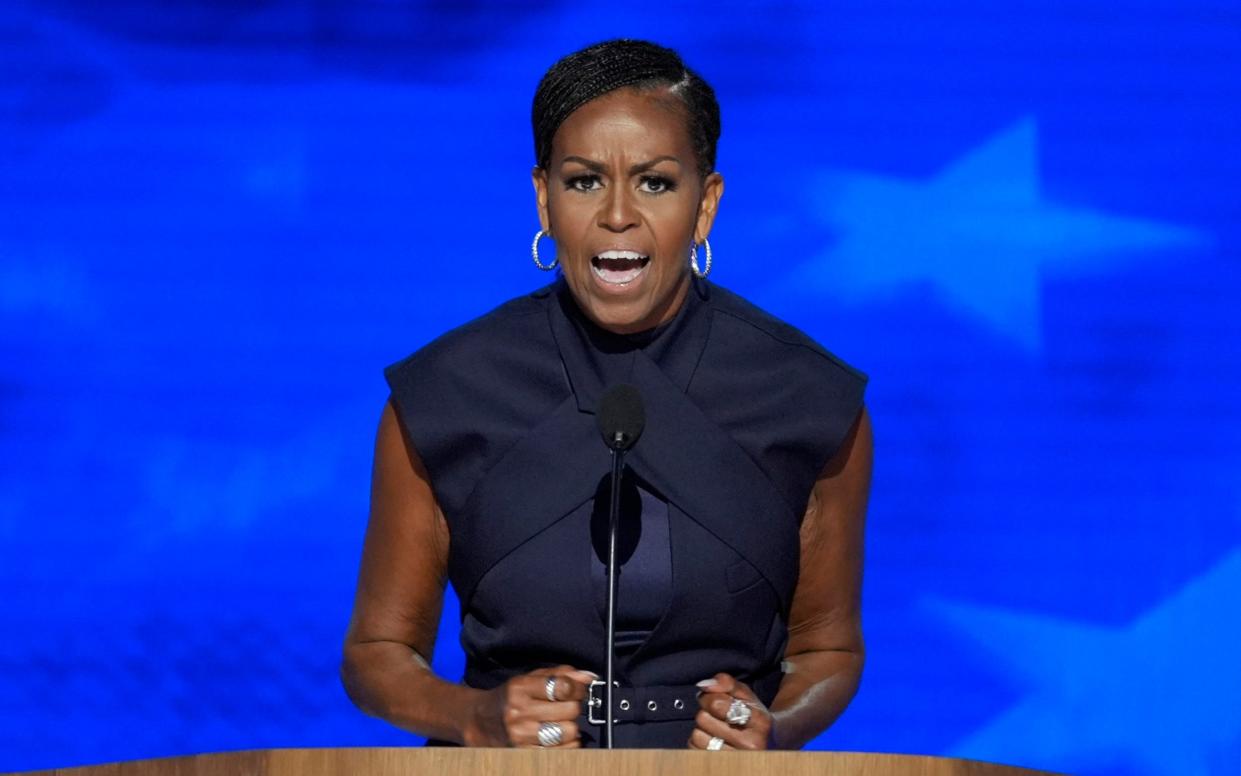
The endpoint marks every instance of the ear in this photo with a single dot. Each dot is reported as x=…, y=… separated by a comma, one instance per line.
x=538, y=176
x=712, y=190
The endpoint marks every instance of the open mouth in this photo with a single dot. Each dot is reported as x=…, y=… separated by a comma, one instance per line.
x=619, y=268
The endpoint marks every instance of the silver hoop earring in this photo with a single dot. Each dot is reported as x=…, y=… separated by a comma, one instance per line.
x=534, y=251
x=693, y=259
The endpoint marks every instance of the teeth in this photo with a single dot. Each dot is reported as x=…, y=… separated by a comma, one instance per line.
x=631, y=255
x=619, y=268
x=618, y=277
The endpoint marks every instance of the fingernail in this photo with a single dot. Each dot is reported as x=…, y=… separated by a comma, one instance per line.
x=592, y=673
x=705, y=683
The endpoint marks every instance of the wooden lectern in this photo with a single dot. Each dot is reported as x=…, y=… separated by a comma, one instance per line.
x=525, y=762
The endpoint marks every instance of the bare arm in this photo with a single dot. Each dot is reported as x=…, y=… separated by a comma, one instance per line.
x=396, y=614
x=825, y=651
x=823, y=661
x=400, y=594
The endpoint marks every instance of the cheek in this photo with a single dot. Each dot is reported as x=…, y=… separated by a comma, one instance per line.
x=568, y=220
x=675, y=230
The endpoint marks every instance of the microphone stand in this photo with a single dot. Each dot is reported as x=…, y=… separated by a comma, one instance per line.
x=618, y=462
x=621, y=419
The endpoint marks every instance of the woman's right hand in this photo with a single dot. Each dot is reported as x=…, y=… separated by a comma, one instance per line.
x=511, y=714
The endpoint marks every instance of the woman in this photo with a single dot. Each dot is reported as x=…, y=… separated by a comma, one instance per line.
x=738, y=608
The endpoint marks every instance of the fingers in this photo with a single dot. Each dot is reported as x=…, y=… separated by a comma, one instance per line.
x=570, y=683
x=527, y=735
x=699, y=740
x=712, y=725
x=582, y=677
x=542, y=711
x=527, y=701
x=721, y=682
x=727, y=684
x=718, y=705
x=567, y=688
x=577, y=674
x=718, y=695
x=527, y=707
x=751, y=737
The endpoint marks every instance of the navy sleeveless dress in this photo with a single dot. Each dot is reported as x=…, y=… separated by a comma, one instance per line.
x=743, y=412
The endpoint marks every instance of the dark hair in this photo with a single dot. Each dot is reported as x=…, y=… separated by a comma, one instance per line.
x=604, y=67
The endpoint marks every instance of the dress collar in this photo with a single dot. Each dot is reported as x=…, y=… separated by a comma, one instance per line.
x=594, y=359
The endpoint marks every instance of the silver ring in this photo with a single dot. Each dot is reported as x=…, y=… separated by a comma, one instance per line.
x=715, y=744
x=550, y=734
x=549, y=689
x=738, y=713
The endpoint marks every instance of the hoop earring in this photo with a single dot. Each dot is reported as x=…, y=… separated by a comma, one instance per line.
x=693, y=259
x=534, y=251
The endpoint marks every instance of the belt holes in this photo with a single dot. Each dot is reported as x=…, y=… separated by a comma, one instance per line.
x=624, y=705
x=678, y=704
x=651, y=705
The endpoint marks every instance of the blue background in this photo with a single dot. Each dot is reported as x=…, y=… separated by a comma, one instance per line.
x=219, y=221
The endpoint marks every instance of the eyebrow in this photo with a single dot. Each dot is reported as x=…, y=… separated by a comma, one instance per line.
x=599, y=167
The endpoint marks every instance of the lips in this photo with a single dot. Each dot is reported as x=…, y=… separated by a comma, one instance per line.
x=619, y=267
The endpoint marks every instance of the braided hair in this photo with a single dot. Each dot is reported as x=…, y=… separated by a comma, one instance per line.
x=604, y=67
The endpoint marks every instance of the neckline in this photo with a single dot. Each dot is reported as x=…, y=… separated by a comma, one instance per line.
x=595, y=358
x=614, y=342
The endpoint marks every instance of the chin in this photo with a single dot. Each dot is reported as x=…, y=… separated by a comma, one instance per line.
x=622, y=318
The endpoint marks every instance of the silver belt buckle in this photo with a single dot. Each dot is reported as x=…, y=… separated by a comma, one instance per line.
x=596, y=701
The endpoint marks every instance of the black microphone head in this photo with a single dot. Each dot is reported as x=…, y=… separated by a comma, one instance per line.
x=621, y=416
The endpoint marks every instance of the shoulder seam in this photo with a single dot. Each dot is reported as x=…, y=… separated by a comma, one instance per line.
x=810, y=345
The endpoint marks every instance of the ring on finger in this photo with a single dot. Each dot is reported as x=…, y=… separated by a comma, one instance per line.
x=549, y=688
x=550, y=734
x=715, y=744
x=738, y=713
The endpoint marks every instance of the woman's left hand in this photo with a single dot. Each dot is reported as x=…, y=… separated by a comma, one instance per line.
x=718, y=695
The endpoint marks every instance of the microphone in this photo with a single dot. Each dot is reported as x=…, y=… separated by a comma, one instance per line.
x=621, y=417
x=621, y=420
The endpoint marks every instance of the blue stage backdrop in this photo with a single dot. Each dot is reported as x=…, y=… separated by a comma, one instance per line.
x=219, y=221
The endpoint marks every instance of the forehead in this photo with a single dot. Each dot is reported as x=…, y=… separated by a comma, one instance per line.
x=646, y=122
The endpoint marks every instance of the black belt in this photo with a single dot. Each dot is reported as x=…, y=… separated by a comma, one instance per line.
x=642, y=704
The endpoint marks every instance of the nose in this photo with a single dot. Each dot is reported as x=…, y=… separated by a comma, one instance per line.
x=618, y=212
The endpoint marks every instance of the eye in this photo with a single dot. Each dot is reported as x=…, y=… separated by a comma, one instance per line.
x=588, y=182
x=657, y=184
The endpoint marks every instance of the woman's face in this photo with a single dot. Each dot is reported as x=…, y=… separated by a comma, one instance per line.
x=623, y=200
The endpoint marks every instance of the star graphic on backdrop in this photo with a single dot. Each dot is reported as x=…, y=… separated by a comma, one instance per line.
x=1161, y=695
x=980, y=233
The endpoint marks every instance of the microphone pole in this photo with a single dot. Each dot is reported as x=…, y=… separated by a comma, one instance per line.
x=618, y=462
x=621, y=420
